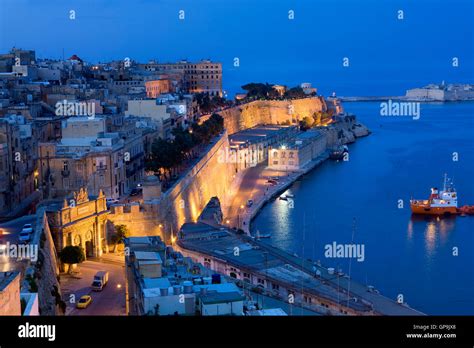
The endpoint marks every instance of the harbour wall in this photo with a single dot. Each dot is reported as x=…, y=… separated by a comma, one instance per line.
x=210, y=177
x=258, y=112
x=213, y=175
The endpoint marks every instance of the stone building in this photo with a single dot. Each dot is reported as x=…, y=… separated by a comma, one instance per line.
x=87, y=156
x=306, y=147
x=81, y=220
x=156, y=87
x=201, y=77
x=18, y=166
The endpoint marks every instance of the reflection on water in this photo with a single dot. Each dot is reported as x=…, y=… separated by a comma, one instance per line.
x=283, y=213
x=436, y=230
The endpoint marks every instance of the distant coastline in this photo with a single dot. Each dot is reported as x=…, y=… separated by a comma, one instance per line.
x=431, y=93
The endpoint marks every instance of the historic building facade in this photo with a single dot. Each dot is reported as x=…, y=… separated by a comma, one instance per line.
x=81, y=221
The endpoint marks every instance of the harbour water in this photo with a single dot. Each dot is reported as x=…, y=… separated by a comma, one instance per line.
x=427, y=260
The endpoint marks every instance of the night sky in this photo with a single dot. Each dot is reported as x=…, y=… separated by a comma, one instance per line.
x=386, y=55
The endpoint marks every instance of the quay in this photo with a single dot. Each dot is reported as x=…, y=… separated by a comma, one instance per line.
x=223, y=242
x=258, y=267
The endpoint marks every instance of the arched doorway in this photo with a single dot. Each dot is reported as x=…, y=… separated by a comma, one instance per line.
x=89, y=249
x=89, y=245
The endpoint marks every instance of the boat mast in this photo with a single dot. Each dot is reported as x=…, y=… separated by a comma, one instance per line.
x=445, y=181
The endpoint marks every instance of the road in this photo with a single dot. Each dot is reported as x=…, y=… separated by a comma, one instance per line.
x=10, y=234
x=254, y=186
x=109, y=301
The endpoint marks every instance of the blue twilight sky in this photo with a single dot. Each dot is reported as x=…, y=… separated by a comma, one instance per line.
x=386, y=55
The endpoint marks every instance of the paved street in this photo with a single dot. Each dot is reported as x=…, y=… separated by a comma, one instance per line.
x=10, y=233
x=109, y=301
x=254, y=186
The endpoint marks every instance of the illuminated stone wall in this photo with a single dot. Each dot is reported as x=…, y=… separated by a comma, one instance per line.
x=269, y=112
x=184, y=201
x=141, y=221
x=210, y=177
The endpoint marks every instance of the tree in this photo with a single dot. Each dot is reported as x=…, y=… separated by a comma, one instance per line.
x=295, y=92
x=317, y=118
x=306, y=123
x=168, y=155
x=260, y=91
x=121, y=232
x=72, y=255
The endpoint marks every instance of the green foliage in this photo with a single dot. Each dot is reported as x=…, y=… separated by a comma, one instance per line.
x=294, y=93
x=169, y=154
x=260, y=91
x=207, y=103
x=72, y=254
x=121, y=232
x=306, y=123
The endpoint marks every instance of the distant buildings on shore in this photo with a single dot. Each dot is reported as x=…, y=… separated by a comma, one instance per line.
x=442, y=92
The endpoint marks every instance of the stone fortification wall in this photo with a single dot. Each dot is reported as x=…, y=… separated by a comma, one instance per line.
x=41, y=276
x=269, y=112
x=211, y=176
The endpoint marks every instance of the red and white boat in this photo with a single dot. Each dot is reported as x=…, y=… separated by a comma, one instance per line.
x=444, y=202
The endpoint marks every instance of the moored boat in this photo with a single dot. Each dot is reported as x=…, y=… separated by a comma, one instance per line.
x=444, y=202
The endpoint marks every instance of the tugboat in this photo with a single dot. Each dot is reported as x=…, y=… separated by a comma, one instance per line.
x=444, y=202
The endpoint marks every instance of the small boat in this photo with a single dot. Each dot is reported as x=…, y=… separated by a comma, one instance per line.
x=444, y=202
x=283, y=198
x=289, y=195
x=338, y=152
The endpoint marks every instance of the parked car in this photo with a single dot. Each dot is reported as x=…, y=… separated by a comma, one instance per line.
x=249, y=203
x=100, y=280
x=25, y=236
x=84, y=302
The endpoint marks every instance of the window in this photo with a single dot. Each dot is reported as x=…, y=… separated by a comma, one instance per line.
x=275, y=287
x=65, y=166
x=275, y=162
x=260, y=281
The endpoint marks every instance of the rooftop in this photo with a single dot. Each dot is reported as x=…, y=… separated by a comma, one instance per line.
x=221, y=297
x=258, y=134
